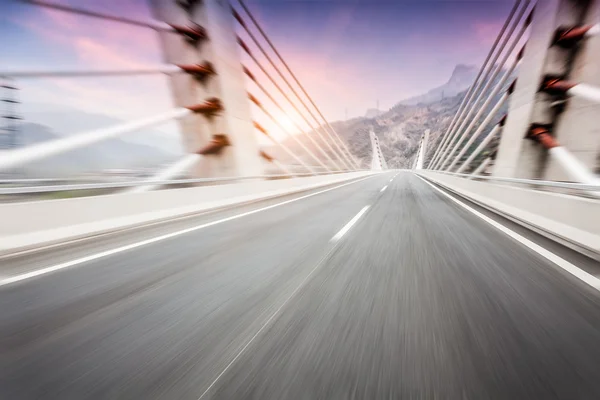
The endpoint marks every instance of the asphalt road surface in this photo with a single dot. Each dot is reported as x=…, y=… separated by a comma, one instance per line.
x=357, y=292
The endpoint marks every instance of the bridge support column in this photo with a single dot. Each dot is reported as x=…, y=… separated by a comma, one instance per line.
x=577, y=127
x=377, y=161
x=205, y=37
x=572, y=120
x=422, y=150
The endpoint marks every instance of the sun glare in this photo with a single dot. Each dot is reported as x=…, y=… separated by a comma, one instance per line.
x=287, y=123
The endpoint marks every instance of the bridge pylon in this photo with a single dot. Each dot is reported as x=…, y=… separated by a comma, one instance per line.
x=420, y=159
x=205, y=42
x=558, y=93
x=377, y=161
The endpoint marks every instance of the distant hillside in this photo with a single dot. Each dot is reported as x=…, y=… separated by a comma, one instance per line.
x=400, y=128
x=109, y=154
x=373, y=112
x=65, y=121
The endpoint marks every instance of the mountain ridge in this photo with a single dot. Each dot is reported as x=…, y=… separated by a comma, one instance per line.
x=108, y=154
x=400, y=128
x=461, y=77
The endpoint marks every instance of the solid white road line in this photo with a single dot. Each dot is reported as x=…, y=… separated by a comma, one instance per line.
x=335, y=241
x=383, y=188
x=266, y=324
x=67, y=264
x=347, y=227
x=559, y=261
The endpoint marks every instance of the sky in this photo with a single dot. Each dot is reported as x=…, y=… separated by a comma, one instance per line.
x=349, y=54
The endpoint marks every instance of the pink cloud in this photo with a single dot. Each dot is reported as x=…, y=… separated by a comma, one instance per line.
x=486, y=31
x=121, y=43
x=96, y=54
x=83, y=42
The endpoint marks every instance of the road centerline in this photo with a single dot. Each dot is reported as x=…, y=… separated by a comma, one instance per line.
x=349, y=225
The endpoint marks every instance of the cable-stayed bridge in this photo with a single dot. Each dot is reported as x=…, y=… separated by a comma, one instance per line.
x=472, y=275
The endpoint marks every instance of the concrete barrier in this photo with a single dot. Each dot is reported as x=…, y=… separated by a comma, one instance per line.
x=40, y=223
x=573, y=221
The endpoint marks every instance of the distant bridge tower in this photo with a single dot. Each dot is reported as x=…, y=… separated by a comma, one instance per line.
x=377, y=162
x=422, y=149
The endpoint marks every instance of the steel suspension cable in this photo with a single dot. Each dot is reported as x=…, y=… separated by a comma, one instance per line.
x=478, y=80
x=262, y=130
x=327, y=155
x=495, y=91
x=484, y=79
x=158, y=26
x=162, y=69
x=482, y=145
x=475, y=82
x=264, y=35
x=276, y=68
x=272, y=80
x=477, y=171
x=484, y=85
x=490, y=81
x=49, y=148
x=276, y=103
x=482, y=126
x=280, y=126
x=477, y=94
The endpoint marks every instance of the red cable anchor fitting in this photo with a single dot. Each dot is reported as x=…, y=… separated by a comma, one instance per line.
x=502, y=120
x=254, y=100
x=541, y=134
x=244, y=46
x=250, y=74
x=570, y=36
x=188, y=5
x=216, y=144
x=556, y=85
x=530, y=17
x=512, y=87
x=209, y=108
x=238, y=17
x=193, y=34
x=521, y=52
x=260, y=128
x=198, y=71
x=266, y=156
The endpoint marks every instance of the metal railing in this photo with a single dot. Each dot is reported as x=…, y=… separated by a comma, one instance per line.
x=138, y=183
x=572, y=188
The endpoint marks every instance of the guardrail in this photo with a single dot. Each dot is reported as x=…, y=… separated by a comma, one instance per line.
x=572, y=220
x=529, y=182
x=38, y=223
x=118, y=185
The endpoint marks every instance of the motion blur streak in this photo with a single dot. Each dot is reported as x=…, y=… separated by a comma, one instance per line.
x=567, y=266
x=71, y=263
x=271, y=309
x=269, y=252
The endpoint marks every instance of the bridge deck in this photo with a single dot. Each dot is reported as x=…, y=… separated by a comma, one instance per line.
x=419, y=299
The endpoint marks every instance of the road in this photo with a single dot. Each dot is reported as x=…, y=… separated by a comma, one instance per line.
x=320, y=297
